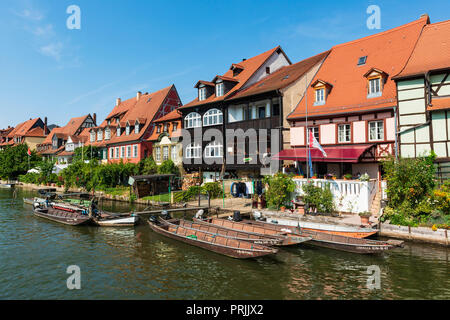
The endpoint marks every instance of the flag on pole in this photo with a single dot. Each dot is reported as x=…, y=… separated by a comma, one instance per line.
x=29, y=152
x=315, y=144
x=311, y=173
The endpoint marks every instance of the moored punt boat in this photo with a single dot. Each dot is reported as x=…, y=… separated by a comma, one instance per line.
x=33, y=200
x=257, y=238
x=217, y=243
x=327, y=240
x=7, y=185
x=348, y=231
x=116, y=220
x=289, y=238
x=70, y=218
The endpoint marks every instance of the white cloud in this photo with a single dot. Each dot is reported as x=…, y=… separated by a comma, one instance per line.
x=30, y=14
x=45, y=31
x=53, y=50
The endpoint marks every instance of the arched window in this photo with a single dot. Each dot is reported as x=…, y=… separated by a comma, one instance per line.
x=213, y=150
x=193, y=151
x=212, y=117
x=193, y=120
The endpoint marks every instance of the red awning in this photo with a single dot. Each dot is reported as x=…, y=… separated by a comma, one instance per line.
x=334, y=154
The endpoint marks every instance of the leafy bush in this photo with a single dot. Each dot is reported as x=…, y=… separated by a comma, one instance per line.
x=280, y=188
x=148, y=166
x=14, y=161
x=322, y=199
x=214, y=189
x=190, y=193
x=168, y=167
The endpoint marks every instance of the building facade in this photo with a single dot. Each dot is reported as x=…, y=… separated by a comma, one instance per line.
x=31, y=132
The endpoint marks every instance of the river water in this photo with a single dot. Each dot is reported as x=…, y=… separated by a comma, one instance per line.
x=136, y=263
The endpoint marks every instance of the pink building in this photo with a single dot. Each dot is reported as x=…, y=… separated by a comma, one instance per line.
x=350, y=105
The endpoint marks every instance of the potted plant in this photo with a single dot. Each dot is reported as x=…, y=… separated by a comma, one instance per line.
x=283, y=208
x=329, y=176
x=348, y=176
x=365, y=217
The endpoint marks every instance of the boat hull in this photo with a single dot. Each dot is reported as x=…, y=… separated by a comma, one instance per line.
x=347, y=231
x=127, y=221
x=332, y=241
x=68, y=218
x=288, y=237
x=210, y=243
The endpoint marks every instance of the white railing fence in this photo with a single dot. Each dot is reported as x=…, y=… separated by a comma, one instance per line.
x=349, y=195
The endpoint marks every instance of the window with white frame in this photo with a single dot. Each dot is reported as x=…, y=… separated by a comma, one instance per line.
x=376, y=130
x=219, y=89
x=374, y=87
x=158, y=154
x=100, y=135
x=92, y=136
x=213, y=150
x=128, y=151
x=212, y=117
x=344, y=133
x=117, y=153
x=193, y=151
x=193, y=120
x=320, y=96
x=136, y=127
x=315, y=132
x=127, y=129
x=158, y=129
x=175, y=126
x=107, y=134
x=122, y=152
x=118, y=131
x=165, y=153
x=173, y=153
x=201, y=93
x=166, y=127
x=135, y=151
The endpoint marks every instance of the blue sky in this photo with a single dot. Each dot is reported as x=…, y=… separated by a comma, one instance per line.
x=127, y=46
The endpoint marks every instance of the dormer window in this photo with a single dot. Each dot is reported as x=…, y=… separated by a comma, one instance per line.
x=320, y=96
x=92, y=136
x=158, y=129
x=219, y=89
x=321, y=90
x=99, y=135
x=375, y=79
x=107, y=134
x=202, y=93
x=136, y=127
x=166, y=127
x=175, y=126
x=118, y=131
x=127, y=129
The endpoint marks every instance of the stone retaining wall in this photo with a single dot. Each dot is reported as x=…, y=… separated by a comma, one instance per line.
x=440, y=236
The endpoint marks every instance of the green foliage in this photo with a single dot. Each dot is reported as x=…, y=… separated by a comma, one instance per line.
x=168, y=167
x=191, y=193
x=409, y=180
x=148, y=166
x=322, y=199
x=14, y=161
x=213, y=189
x=280, y=188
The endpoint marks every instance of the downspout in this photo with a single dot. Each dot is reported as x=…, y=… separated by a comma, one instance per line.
x=396, y=132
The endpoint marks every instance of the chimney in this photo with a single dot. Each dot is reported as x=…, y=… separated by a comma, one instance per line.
x=45, y=125
x=94, y=117
x=138, y=95
x=244, y=59
x=118, y=101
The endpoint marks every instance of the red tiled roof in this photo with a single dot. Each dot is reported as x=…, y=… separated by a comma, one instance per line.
x=387, y=51
x=36, y=132
x=143, y=109
x=23, y=128
x=250, y=66
x=439, y=104
x=68, y=130
x=281, y=78
x=174, y=115
x=432, y=51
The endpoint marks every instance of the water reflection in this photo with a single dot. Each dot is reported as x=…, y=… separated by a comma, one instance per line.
x=136, y=263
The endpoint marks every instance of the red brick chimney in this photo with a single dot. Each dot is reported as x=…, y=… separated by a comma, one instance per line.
x=45, y=126
x=94, y=117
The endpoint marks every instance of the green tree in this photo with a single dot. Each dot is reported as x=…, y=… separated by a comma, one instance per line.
x=148, y=166
x=87, y=153
x=280, y=188
x=15, y=161
x=168, y=167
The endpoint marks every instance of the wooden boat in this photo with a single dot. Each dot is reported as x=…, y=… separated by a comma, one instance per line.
x=70, y=218
x=31, y=201
x=217, y=243
x=289, y=238
x=7, y=185
x=116, y=220
x=348, y=231
x=44, y=191
x=257, y=238
x=327, y=240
